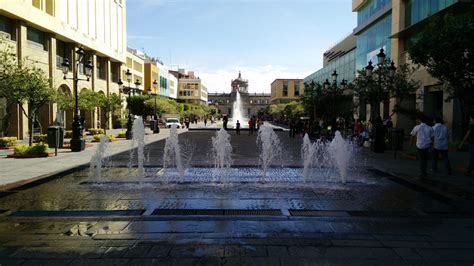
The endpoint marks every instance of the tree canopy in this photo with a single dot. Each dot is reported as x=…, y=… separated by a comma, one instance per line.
x=446, y=48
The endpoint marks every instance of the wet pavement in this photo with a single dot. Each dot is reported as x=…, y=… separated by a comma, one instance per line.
x=376, y=218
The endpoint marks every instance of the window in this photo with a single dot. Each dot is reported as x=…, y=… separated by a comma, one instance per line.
x=62, y=52
x=251, y=101
x=36, y=3
x=297, y=88
x=417, y=10
x=6, y=28
x=49, y=7
x=285, y=88
x=101, y=68
x=115, y=71
x=36, y=39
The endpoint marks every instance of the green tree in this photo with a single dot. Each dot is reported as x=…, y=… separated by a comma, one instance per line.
x=8, y=74
x=401, y=86
x=31, y=87
x=109, y=105
x=446, y=48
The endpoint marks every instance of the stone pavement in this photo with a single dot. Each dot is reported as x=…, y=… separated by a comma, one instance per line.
x=15, y=172
x=377, y=218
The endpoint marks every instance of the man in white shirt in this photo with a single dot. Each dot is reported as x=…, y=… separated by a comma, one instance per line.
x=423, y=134
x=441, y=137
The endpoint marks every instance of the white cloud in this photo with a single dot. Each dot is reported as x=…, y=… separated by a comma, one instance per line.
x=259, y=77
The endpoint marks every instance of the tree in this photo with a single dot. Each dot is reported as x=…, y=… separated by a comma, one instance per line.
x=401, y=86
x=8, y=65
x=109, y=104
x=33, y=88
x=327, y=104
x=446, y=49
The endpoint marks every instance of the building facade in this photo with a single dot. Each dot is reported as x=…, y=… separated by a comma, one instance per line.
x=46, y=32
x=286, y=90
x=252, y=103
x=392, y=24
x=191, y=89
x=342, y=58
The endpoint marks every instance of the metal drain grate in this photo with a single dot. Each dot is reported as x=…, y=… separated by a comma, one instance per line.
x=318, y=213
x=216, y=212
x=186, y=212
x=82, y=213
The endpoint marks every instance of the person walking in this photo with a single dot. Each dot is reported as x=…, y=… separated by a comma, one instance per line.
x=205, y=122
x=423, y=134
x=470, y=138
x=441, y=137
x=237, y=127
x=225, y=120
x=380, y=130
x=251, y=126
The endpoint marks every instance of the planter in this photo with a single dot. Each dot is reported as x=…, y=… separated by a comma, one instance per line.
x=29, y=156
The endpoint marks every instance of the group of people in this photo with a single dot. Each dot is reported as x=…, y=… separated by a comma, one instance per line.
x=438, y=135
x=254, y=124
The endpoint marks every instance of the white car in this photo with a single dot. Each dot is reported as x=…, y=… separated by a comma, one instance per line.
x=172, y=121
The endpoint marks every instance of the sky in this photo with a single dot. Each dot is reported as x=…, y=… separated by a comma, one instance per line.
x=264, y=39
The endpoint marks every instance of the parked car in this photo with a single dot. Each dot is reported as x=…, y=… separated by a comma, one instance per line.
x=172, y=121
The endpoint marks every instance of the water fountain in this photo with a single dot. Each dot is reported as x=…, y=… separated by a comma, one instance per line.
x=341, y=152
x=308, y=152
x=98, y=160
x=172, y=157
x=138, y=142
x=270, y=147
x=238, y=110
x=222, y=151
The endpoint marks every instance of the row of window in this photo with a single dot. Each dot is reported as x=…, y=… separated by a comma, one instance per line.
x=345, y=67
x=370, y=8
x=417, y=10
x=296, y=91
x=186, y=93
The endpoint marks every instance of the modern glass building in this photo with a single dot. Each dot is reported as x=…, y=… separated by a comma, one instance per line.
x=393, y=25
x=342, y=58
x=374, y=27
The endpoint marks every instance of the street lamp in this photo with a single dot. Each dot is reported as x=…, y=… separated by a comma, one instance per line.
x=381, y=67
x=156, y=129
x=137, y=86
x=77, y=142
x=128, y=134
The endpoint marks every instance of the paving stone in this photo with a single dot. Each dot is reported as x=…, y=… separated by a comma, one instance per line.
x=137, y=252
x=407, y=253
x=245, y=251
x=102, y=261
x=406, y=244
x=12, y=262
x=428, y=253
x=197, y=251
x=304, y=251
x=251, y=261
x=457, y=254
x=278, y=251
x=356, y=242
x=159, y=251
x=358, y=252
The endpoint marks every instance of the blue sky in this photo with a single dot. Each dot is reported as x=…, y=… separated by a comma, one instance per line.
x=265, y=39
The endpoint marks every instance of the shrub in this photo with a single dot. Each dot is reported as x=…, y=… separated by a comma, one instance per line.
x=96, y=131
x=68, y=134
x=37, y=149
x=98, y=136
x=40, y=138
x=8, y=141
x=121, y=134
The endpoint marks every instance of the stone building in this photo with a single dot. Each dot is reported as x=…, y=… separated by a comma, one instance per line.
x=252, y=103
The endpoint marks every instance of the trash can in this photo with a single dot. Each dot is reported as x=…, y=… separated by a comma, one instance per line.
x=55, y=135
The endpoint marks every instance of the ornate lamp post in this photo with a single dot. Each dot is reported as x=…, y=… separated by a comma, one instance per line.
x=156, y=129
x=327, y=86
x=77, y=141
x=381, y=67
